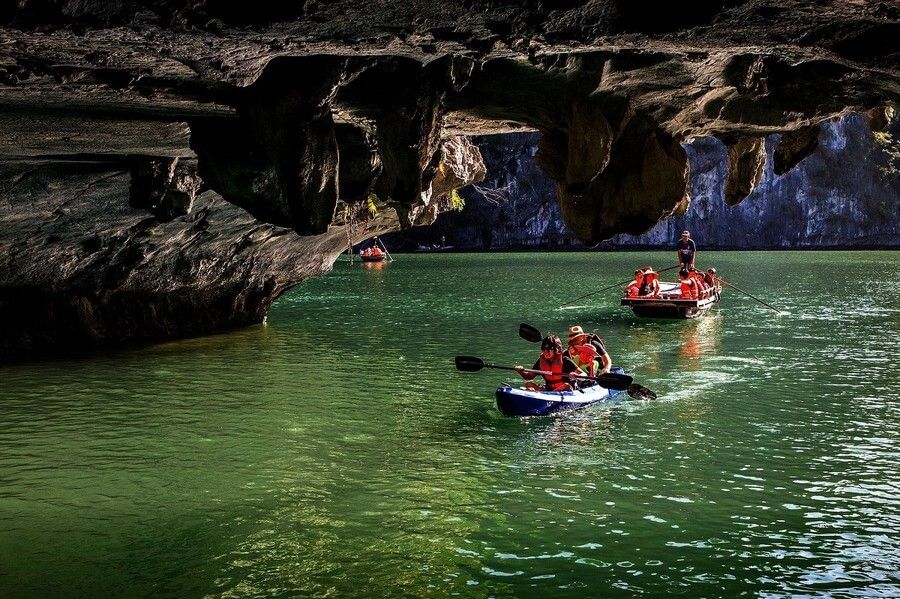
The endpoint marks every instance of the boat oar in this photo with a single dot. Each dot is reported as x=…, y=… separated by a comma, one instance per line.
x=616, y=382
x=530, y=333
x=578, y=299
x=738, y=289
x=387, y=253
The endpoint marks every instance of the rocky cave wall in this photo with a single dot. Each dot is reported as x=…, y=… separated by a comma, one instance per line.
x=310, y=116
x=846, y=193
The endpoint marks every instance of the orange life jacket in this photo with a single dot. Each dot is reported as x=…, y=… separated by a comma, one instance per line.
x=698, y=280
x=584, y=357
x=689, y=289
x=632, y=289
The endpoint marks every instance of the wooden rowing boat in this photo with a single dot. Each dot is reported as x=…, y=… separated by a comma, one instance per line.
x=669, y=303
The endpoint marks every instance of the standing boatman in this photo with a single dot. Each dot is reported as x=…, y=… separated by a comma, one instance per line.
x=685, y=250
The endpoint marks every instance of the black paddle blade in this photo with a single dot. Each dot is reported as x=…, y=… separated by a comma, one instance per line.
x=468, y=363
x=616, y=382
x=640, y=392
x=529, y=333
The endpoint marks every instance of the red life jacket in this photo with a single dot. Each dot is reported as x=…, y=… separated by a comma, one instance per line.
x=689, y=289
x=632, y=290
x=698, y=280
x=555, y=381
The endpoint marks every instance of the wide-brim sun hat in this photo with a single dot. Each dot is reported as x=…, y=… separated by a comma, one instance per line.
x=575, y=332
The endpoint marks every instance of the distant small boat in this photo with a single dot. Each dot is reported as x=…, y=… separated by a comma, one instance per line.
x=669, y=303
x=426, y=249
x=372, y=254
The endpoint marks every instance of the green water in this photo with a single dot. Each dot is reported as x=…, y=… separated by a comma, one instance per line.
x=335, y=451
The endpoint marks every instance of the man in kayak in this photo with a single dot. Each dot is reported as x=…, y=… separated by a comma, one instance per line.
x=685, y=250
x=588, y=351
x=554, y=362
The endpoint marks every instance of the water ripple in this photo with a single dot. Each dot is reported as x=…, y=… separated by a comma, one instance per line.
x=336, y=452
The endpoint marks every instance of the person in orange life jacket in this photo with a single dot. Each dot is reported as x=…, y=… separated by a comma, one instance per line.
x=588, y=352
x=634, y=287
x=710, y=277
x=553, y=360
x=685, y=250
x=697, y=276
x=688, y=285
x=650, y=284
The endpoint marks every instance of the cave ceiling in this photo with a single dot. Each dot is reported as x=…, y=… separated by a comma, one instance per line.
x=290, y=110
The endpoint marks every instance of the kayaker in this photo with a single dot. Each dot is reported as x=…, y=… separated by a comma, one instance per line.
x=552, y=360
x=634, y=288
x=685, y=250
x=588, y=351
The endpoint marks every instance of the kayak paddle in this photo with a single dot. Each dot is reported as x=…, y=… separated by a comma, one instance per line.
x=609, y=380
x=530, y=333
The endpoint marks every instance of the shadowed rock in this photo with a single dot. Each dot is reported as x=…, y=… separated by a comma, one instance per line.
x=793, y=147
x=746, y=164
x=163, y=186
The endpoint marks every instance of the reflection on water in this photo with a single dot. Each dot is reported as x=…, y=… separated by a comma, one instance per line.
x=701, y=339
x=336, y=451
x=374, y=265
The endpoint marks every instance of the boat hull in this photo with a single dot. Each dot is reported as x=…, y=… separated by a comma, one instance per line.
x=372, y=258
x=662, y=307
x=513, y=401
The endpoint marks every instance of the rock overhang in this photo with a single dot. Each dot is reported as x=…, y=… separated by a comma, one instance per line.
x=309, y=115
x=284, y=98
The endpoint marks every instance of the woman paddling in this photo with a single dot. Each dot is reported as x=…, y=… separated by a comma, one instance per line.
x=553, y=361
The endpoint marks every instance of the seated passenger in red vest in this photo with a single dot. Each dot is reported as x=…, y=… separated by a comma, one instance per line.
x=633, y=289
x=710, y=277
x=553, y=361
x=650, y=285
x=588, y=352
x=688, y=285
x=697, y=276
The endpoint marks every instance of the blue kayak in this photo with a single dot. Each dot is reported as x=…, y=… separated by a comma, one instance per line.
x=512, y=401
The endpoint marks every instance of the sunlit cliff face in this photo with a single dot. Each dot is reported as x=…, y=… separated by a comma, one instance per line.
x=315, y=117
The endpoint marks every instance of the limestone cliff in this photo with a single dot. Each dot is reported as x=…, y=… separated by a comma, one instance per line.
x=846, y=193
